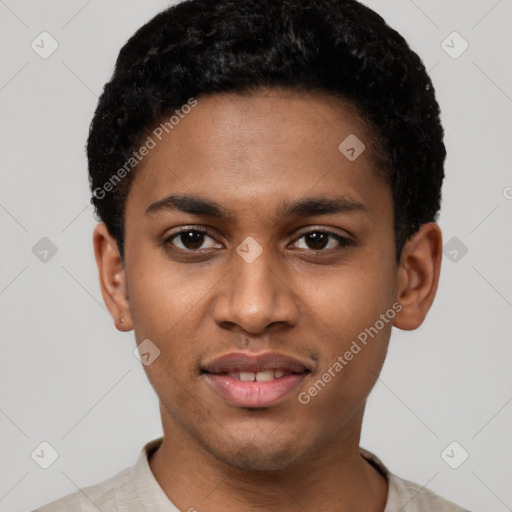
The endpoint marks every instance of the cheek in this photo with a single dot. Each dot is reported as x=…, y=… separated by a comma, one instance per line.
x=167, y=305
x=353, y=314
x=351, y=298
x=160, y=298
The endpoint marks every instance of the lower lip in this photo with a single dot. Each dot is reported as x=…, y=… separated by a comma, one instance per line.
x=253, y=393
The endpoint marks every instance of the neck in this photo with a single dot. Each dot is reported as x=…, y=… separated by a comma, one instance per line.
x=334, y=478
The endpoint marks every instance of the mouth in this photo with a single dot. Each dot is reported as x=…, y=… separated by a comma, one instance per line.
x=258, y=376
x=249, y=380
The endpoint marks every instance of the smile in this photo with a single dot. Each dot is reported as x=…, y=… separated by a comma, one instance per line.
x=255, y=380
x=265, y=376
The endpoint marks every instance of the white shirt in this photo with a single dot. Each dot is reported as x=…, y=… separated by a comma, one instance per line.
x=135, y=489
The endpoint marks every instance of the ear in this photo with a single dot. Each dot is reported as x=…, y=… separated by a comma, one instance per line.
x=112, y=277
x=418, y=276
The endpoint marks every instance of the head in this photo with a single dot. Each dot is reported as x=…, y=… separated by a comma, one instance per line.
x=298, y=145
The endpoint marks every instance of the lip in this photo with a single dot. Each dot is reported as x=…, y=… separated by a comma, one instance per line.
x=254, y=394
x=251, y=362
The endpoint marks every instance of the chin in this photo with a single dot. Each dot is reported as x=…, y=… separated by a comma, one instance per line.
x=262, y=456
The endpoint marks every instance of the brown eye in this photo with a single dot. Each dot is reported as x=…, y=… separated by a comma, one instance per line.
x=318, y=240
x=190, y=240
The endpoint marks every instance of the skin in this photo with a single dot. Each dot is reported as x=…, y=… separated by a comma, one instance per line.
x=250, y=153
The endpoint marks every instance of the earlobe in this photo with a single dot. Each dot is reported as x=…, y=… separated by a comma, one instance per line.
x=418, y=276
x=112, y=277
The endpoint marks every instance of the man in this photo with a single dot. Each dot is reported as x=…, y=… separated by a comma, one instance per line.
x=267, y=175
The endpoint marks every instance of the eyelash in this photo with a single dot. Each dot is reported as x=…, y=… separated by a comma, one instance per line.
x=343, y=241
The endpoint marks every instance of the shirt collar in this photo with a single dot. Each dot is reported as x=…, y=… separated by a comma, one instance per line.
x=148, y=490
x=154, y=499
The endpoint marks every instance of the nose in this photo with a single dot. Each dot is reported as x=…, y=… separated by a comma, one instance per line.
x=255, y=296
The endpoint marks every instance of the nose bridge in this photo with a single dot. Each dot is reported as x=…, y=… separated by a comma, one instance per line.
x=255, y=278
x=255, y=295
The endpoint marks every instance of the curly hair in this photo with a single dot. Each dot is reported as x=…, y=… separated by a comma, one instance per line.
x=337, y=47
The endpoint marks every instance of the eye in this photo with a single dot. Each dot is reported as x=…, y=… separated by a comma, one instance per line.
x=191, y=239
x=319, y=240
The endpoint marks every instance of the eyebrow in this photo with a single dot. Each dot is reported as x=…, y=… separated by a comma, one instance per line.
x=308, y=206
x=189, y=204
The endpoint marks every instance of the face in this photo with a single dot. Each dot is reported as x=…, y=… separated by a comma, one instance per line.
x=282, y=255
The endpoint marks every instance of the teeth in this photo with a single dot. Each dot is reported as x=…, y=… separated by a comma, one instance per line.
x=265, y=376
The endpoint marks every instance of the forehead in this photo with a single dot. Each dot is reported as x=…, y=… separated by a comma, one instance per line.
x=261, y=147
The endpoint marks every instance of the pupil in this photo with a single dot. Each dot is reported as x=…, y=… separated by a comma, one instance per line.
x=192, y=239
x=319, y=240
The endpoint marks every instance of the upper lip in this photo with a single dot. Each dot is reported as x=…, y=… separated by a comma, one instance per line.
x=251, y=362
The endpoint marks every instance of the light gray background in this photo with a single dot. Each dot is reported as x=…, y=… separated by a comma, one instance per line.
x=69, y=378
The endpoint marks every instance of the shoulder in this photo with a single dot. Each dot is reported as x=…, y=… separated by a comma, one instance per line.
x=123, y=491
x=101, y=495
x=408, y=496
x=415, y=498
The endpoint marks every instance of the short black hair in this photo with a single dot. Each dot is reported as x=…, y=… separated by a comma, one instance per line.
x=338, y=47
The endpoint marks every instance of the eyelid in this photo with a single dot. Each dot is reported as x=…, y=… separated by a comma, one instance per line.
x=323, y=229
